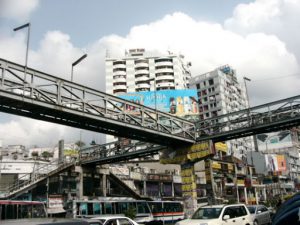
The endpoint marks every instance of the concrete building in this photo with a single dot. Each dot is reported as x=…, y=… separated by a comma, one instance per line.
x=140, y=70
x=278, y=160
x=219, y=93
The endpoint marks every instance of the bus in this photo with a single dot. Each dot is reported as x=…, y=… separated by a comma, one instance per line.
x=167, y=211
x=109, y=206
x=12, y=209
x=161, y=212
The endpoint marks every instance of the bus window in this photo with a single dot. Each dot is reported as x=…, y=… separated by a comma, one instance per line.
x=156, y=207
x=90, y=208
x=97, y=209
x=83, y=209
x=172, y=207
x=142, y=207
x=108, y=208
x=121, y=207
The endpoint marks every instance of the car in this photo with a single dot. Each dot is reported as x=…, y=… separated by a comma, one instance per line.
x=233, y=214
x=115, y=220
x=260, y=214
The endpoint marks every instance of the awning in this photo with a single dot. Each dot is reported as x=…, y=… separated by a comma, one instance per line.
x=55, y=210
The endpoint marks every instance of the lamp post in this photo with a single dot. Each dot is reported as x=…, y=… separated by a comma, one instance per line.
x=27, y=25
x=153, y=79
x=75, y=63
x=247, y=96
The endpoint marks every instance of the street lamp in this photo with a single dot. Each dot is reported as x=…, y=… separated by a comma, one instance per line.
x=75, y=63
x=27, y=25
x=153, y=79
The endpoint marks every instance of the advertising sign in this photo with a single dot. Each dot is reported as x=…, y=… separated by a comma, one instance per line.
x=275, y=140
x=192, y=153
x=275, y=163
x=178, y=102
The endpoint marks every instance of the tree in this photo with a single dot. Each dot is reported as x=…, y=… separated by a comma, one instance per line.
x=34, y=154
x=46, y=154
x=80, y=144
x=130, y=212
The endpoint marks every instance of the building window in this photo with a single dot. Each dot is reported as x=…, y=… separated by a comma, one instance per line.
x=198, y=86
x=211, y=82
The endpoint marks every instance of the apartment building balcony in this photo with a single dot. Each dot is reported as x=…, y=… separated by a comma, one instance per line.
x=141, y=65
x=119, y=66
x=141, y=72
x=165, y=85
x=142, y=78
x=119, y=87
x=164, y=70
x=120, y=80
x=164, y=63
x=119, y=73
x=143, y=85
x=165, y=77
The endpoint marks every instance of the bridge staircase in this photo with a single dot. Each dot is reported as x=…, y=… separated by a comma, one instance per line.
x=39, y=174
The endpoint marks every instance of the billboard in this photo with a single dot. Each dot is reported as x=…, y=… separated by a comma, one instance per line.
x=178, y=102
x=184, y=154
x=275, y=140
x=275, y=163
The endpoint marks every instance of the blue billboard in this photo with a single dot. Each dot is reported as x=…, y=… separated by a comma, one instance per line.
x=178, y=102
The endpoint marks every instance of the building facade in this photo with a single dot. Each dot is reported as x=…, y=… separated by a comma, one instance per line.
x=219, y=93
x=140, y=70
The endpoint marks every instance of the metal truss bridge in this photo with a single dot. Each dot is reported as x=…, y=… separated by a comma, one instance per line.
x=273, y=116
x=34, y=94
x=31, y=93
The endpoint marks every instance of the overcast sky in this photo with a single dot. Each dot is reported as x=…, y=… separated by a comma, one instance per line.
x=260, y=39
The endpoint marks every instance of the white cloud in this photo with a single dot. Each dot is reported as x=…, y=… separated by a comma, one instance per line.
x=257, y=55
x=16, y=9
x=277, y=17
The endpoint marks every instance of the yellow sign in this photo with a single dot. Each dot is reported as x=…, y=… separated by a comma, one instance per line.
x=189, y=186
x=196, y=152
x=70, y=152
x=220, y=146
x=216, y=165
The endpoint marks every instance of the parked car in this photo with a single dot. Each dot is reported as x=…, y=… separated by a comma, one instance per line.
x=114, y=220
x=260, y=214
x=234, y=214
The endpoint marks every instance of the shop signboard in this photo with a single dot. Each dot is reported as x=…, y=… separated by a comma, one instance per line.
x=194, y=153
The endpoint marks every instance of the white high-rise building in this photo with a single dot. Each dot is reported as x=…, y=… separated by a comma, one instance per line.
x=140, y=70
x=219, y=93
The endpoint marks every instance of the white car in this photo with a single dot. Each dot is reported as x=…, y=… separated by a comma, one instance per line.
x=235, y=214
x=115, y=220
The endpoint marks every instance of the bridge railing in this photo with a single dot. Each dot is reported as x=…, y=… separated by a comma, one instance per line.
x=40, y=171
x=35, y=87
x=113, y=149
x=273, y=115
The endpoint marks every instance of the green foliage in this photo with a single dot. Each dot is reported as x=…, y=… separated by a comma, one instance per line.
x=80, y=144
x=130, y=212
x=46, y=154
x=34, y=154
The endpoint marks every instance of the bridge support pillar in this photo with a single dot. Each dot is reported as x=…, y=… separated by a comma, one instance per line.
x=189, y=187
x=144, y=188
x=79, y=182
x=104, y=171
